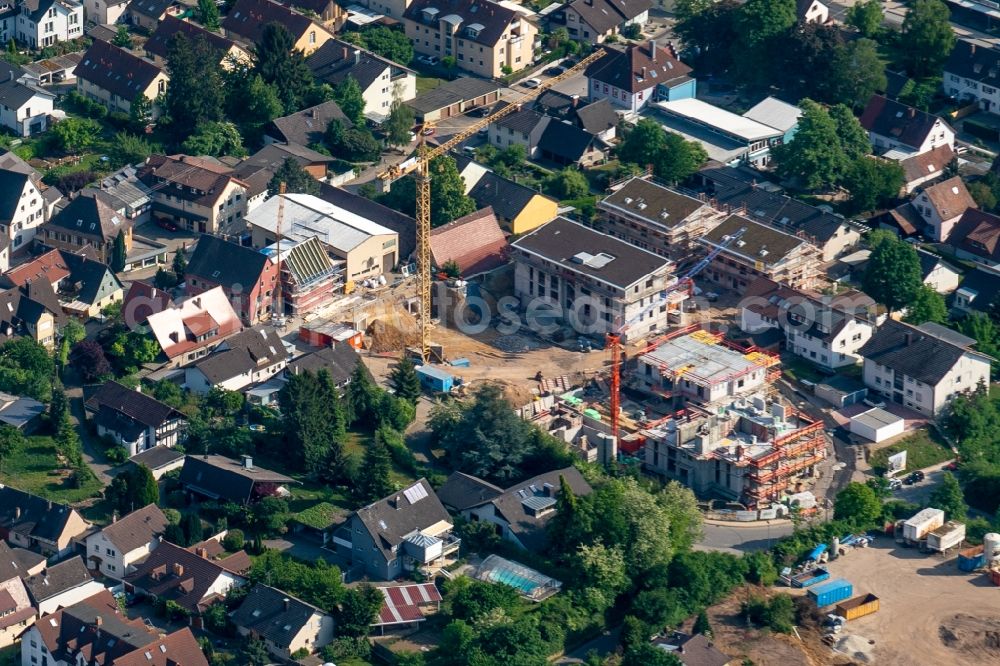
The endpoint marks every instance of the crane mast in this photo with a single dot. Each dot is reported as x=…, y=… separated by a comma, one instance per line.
x=421, y=170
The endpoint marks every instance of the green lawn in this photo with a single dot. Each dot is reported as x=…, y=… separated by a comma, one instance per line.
x=425, y=83
x=34, y=469
x=923, y=449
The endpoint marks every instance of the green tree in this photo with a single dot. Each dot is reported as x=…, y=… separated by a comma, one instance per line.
x=122, y=38
x=948, y=497
x=761, y=24
x=374, y=480
x=74, y=135
x=404, y=380
x=448, y=199
x=928, y=36
x=568, y=184
x=873, y=183
x=358, y=609
x=11, y=441
x=399, y=124
x=194, y=95
x=215, y=139
x=866, y=17
x=118, y=254
x=351, y=101
x=296, y=179
x=250, y=101
x=129, y=149
x=856, y=73
x=208, y=14
x=893, y=276
x=702, y=625
x=859, y=503
x=388, y=43
x=928, y=305
x=814, y=156
x=280, y=64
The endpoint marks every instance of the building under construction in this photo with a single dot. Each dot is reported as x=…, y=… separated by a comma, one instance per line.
x=702, y=367
x=751, y=450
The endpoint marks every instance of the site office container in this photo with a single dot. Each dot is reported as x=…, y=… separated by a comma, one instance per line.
x=859, y=606
x=830, y=593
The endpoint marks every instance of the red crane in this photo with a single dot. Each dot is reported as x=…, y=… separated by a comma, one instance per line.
x=614, y=338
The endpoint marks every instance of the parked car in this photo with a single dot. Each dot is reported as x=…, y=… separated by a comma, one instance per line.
x=531, y=83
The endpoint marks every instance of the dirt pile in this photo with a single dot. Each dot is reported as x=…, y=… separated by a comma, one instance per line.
x=974, y=635
x=392, y=334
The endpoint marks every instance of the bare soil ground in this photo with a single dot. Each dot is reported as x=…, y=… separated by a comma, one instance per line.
x=931, y=613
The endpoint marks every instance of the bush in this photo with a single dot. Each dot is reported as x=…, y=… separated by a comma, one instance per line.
x=233, y=540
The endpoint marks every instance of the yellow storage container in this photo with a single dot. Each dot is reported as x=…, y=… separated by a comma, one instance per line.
x=859, y=606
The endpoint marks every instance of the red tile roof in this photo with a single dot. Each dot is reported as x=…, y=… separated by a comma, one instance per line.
x=475, y=242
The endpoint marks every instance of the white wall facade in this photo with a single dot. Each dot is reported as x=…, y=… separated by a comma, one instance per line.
x=63, y=22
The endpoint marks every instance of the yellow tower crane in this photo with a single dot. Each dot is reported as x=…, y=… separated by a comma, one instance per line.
x=420, y=167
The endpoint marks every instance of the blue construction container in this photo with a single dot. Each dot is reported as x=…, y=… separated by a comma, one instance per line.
x=830, y=593
x=434, y=379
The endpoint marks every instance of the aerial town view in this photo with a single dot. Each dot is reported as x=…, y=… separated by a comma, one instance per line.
x=499, y=332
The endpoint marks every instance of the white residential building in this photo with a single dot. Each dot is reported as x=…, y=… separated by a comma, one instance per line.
x=127, y=540
x=828, y=331
x=42, y=23
x=922, y=367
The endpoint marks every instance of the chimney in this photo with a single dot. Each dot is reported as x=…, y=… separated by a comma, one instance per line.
x=287, y=603
x=652, y=50
x=248, y=462
x=178, y=569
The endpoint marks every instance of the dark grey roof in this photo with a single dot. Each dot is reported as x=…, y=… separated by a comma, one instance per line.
x=390, y=519
x=273, y=614
x=452, y=92
x=492, y=19
x=138, y=528
x=221, y=477
x=116, y=70
x=57, y=579
x=597, y=117
x=159, y=41
x=31, y=515
x=506, y=197
x=92, y=216
x=136, y=406
x=462, y=491
x=307, y=126
x=760, y=242
x=156, y=457
x=222, y=262
x=518, y=503
x=16, y=562
x=247, y=19
x=335, y=60
x=986, y=286
x=565, y=141
x=561, y=241
x=339, y=360
x=975, y=62
x=248, y=351
x=655, y=203
x=404, y=225
x=914, y=352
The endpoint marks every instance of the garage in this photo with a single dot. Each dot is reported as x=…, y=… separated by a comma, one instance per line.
x=877, y=425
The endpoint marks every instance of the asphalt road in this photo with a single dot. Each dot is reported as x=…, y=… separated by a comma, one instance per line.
x=742, y=539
